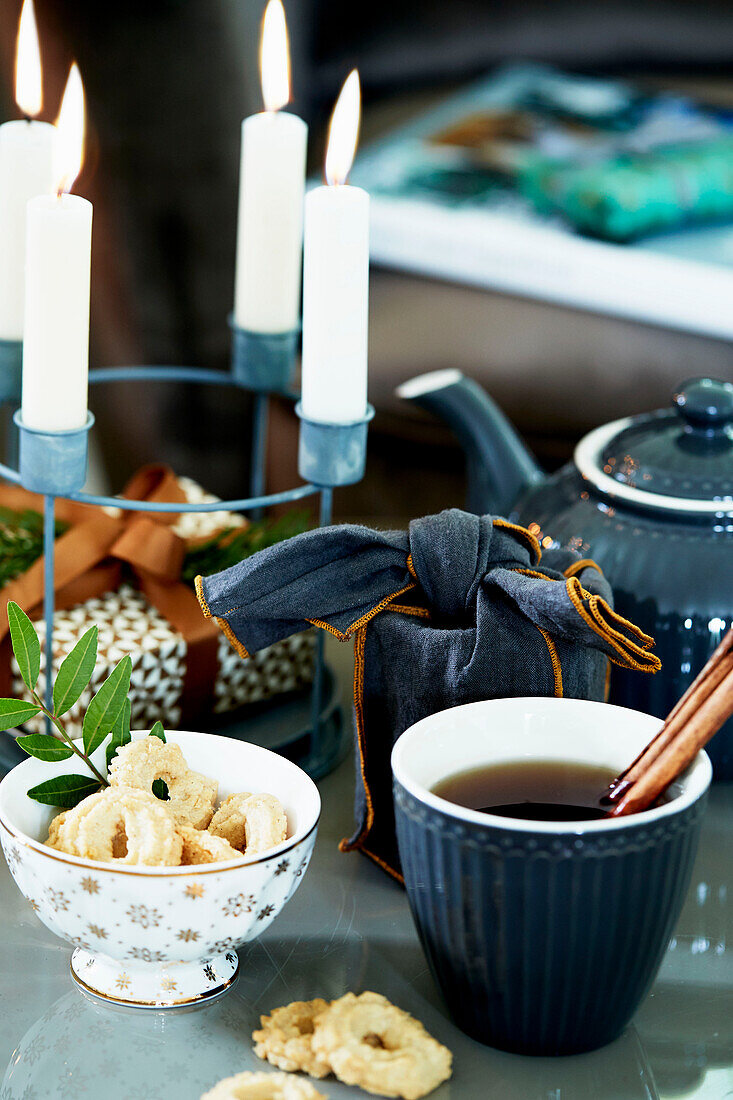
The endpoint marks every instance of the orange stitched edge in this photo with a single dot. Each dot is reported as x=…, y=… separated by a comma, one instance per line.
x=407, y=609
x=579, y=566
x=607, y=612
x=331, y=629
x=531, y=539
x=533, y=573
x=199, y=586
x=588, y=563
x=347, y=845
x=385, y=866
x=344, y=635
x=411, y=567
x=359, y=643
x=223, y=625
x=603, y=630
x=554, y=657
x=231, y=637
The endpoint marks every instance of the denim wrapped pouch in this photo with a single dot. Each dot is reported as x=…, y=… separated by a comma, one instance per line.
x=457, y=609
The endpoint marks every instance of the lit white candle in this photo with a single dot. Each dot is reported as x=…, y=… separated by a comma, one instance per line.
x=336, y=278
x=271, y=187
x=26, y=151
x=58, y=255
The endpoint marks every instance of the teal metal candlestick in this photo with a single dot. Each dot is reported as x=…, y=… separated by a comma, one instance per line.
x=55, y=464
x=329, y=454
x=11, y=364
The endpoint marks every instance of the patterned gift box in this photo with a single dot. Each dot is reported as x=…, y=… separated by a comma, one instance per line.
x=129, y=623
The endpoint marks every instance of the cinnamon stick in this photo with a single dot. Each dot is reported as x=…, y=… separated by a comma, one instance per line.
x=713, y=710
x=714, y=671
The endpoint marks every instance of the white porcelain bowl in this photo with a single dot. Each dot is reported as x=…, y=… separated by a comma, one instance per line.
x=161, y=937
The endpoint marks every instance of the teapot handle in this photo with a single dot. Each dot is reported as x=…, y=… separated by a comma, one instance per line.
x=705, y=404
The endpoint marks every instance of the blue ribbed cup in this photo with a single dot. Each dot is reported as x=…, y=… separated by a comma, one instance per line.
x=543, y=937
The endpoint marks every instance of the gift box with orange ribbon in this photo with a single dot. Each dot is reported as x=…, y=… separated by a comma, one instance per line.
x=127, y=572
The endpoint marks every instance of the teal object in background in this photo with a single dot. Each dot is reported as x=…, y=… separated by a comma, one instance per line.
x=635, y=195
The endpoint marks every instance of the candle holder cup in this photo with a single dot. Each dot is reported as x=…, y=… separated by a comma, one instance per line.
x=264, y=361
x=11, y=367
x=330, y=454
x=53, y=463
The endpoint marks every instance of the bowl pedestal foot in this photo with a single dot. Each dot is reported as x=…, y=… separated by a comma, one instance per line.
x=154, y=985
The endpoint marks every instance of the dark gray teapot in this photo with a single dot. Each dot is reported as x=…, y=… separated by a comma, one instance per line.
x=649, y=498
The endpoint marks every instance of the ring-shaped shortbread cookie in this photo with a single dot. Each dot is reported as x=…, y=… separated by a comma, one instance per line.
x=252, y=823
x=371, y=1043
x=201, y=847
x=228, y=821
x=128, y=826
x=64, y=829
x=285, y=1038
x=191, y=796
x=265, y=823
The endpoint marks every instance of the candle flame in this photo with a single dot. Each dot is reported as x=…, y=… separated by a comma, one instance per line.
x=343, y=132
x=69, y=139
x=275, y=57
x=28, y=86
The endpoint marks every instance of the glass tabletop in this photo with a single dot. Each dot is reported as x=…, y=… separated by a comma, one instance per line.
x=349, y=928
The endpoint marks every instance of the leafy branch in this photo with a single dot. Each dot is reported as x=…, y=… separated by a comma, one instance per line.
x=21, y=541
x=107, y=714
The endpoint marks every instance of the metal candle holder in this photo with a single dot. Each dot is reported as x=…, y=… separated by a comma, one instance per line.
x=55, y=465
x=332, y=454
x=264, y=362
x=11, y=365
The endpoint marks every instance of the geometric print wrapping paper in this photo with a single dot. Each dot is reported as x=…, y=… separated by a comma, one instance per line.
x=129, y=624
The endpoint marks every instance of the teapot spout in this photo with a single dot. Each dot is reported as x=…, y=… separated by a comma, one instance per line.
x=498, y=464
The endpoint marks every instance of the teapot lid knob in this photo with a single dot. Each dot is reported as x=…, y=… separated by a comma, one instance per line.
x=706, y=404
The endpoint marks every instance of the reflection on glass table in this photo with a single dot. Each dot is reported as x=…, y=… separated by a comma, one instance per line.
x=78, y=1043
x=349, y=928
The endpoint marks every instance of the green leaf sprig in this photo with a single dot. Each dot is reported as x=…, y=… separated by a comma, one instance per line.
x=108, y=714
x=21, y=541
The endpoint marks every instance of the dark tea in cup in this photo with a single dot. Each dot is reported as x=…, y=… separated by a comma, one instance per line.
x=534, y=790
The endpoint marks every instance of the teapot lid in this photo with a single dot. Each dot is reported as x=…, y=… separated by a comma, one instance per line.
x=679, y=459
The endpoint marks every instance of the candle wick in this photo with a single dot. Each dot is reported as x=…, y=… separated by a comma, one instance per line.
x=27, y=118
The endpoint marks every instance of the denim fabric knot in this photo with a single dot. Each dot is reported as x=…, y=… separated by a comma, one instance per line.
x=450, y=557
x=469, y=570
x=458, y=608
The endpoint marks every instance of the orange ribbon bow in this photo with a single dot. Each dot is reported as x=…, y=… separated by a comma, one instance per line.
x=90, y=558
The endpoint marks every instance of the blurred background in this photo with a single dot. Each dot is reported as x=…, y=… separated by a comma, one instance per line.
x=168, y=82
